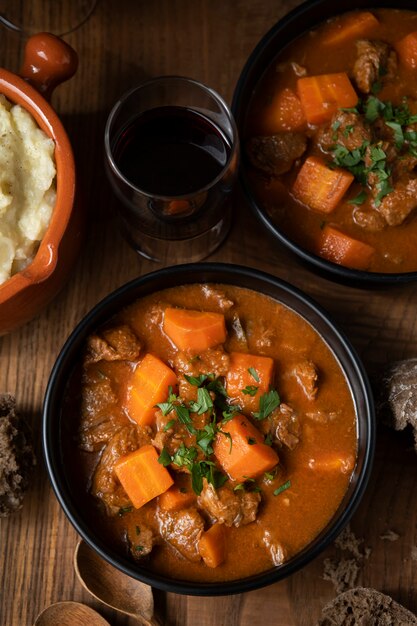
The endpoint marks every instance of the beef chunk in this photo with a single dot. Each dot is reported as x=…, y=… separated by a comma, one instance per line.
x=275, y=548
x=275, y=154
x=182, y=529
x=397, y=205
x=345, y=129
x=369, y=220
x=306, y=375
x=215, y=361
x=217, y=297
x=16, y=457
x=99, y=415
x=375, y=61
x=229, y=507
x=105, y=484
x=113, y=344
x=285, y=427
x=141, y=540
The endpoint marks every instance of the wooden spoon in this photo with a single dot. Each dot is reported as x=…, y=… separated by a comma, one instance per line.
x=70, y=614
x=113, y=587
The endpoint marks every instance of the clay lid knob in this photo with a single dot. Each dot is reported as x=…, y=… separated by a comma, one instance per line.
x=48, y=61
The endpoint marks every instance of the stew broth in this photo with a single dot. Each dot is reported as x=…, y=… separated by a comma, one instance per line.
x=294, y=500
x=366, y=211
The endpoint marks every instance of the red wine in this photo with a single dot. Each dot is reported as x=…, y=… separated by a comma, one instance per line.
x=171, y=151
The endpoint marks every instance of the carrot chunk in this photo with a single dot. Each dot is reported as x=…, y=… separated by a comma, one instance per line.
x=320, y=187
x=149, y=385
x=212, y=545
x=141, y=476
x=176, y=499
x=340, y=248
x=407, y=50
x=194, y=331
x=248, y=377
x=242, y=453
x=323, y=95
x=283, y=113
x=355, y=25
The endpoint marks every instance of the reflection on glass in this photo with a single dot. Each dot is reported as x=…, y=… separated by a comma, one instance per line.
x=59, y=17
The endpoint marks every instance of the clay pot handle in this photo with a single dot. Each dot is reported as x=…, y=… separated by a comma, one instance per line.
x=48, y=61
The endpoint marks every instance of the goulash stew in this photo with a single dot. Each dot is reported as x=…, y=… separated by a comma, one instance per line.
x=211, y=432
x=331, y=141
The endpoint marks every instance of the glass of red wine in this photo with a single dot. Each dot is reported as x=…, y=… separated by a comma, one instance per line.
x=172, y=154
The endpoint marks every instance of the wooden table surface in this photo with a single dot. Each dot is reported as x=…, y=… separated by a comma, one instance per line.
x=124, y=42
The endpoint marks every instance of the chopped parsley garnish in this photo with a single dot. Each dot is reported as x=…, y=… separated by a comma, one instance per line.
x=359, y=199
x=251, y=441
x=252, y=371
x=268, y=402
x=282, y=488
x=139, y=548
x=137, y=530
x=169, y=425
x=250, y=390
x=124, y=509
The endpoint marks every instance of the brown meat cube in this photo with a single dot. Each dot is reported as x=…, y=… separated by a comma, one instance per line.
x=141, y=540
x=212, y=361
x=99, y=416
x=228, y=507
x=285, y=426
x=403, y=166
x=113, y=344
x=306, y=375
x=105, y=484
x=217, y=297
x=275, y=548
x=345, y=129
x=275, y=154
x=375, y=61
x=370, y=220
x=397, y=205
x=182, y=529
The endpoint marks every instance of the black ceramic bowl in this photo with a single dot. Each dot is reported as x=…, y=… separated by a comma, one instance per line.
x=200, y=273
x=303, y=18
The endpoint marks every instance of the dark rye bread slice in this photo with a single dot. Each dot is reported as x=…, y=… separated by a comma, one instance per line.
x=365, y=607
x=16, y=456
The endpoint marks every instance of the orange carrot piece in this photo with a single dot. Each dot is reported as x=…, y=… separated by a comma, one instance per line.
x=320, y=187
x=323, y=95
x=407, y=50
x=141, y=476
x=355, y=25
x=149, y=385
x=340, y=248
x=174, y=499
x=244, y=454
x=212, y=545
x=194, y=331
x=283, y=113
x=240, y=378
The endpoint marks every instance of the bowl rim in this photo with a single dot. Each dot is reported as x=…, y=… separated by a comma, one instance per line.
x=19, y=91
x=227, y=274
x=308, y=15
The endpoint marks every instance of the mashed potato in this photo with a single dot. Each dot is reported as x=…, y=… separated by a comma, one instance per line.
x=27, y=187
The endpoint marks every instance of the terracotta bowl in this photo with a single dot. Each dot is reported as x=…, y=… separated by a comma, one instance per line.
x=48, y=61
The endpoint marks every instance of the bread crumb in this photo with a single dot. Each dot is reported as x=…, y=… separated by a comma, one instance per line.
x=390, y=535
x=341, y=571
x=397, y=404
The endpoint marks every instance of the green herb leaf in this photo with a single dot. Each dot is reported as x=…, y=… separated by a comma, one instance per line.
x=164, y=458
x=268, y=402
x=169, y=425
x=251, y=441
x=197, y=381
x=282, y=488
x=250, y=390
x=398, y=134
x=252, y=371
x=166, y=407
x=359, y=199
x=124, y=509
x=184, y=417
